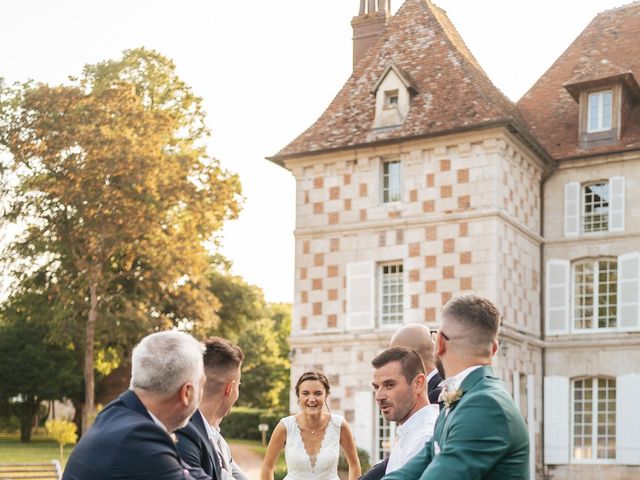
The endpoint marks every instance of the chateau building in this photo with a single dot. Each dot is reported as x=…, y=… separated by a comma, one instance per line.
x=422, y=181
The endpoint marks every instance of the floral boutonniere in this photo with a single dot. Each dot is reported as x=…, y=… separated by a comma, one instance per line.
x=450, y=398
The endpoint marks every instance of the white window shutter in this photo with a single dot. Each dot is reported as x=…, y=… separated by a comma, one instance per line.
x=361, y=295
x=364, y=421
x=616, y=204
x=571, y=209
x=558, y=296
x=627, y=419
x=515, y=377
x=629, y=291
x=556, y=420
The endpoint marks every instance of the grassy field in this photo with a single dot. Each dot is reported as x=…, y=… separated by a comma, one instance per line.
x=40, y=449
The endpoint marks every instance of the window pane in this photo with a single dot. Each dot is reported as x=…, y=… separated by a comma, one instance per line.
x=594, y=435
x=583, y=299
x=593, y=111
x=606, y=111
x=391, y=298
x=391, y=181
x=596, y=207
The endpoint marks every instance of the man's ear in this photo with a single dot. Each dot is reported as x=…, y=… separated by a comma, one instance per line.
x=227, y=388
x=440, y=345
x=420, y=381
x=494, y=348
x=186, y=391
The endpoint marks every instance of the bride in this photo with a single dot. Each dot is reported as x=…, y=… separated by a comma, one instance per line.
x=312, y=438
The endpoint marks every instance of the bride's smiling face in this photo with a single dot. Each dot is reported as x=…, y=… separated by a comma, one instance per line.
x=312, y=396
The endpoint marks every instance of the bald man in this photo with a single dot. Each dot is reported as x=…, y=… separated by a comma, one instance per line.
x=417, y=337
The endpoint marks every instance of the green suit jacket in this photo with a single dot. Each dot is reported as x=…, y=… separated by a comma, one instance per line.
x=482, y=436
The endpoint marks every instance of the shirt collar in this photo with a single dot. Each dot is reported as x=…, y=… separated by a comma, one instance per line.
x=415, y=420
x=211, y=432
x=453, y=383
x=156, y=421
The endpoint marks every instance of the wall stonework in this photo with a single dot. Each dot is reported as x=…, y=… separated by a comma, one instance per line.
x=468, y=222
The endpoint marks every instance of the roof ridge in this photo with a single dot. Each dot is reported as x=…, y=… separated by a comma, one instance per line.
x=621, y=7
x=459, y=45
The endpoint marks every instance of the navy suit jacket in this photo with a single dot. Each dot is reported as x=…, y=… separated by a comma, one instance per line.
x=433, y=390
x=125, y=443
x=196, y=449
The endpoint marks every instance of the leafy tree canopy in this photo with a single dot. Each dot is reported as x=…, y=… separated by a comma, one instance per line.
x=119, y=198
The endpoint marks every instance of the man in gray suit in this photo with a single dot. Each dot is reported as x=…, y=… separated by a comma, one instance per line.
x=200, y=443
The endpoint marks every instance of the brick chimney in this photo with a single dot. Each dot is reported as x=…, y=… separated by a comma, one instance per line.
x=368, y=25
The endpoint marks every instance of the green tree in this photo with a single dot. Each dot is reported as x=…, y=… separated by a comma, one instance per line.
x=32, y=369
x=262, y=331
x=119, y=197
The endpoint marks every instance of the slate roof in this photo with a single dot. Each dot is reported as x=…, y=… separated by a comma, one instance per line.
x=452, y=92
x=608, y=47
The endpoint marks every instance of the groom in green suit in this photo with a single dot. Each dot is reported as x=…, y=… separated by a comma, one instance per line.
x=480, y=433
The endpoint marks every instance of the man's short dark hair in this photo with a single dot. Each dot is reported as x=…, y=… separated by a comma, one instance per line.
x=410, y=362
x=221, y=355
x=478, y=315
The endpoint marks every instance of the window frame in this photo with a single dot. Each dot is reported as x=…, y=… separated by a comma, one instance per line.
x=388, y=96
x=594, y=420
x=380, y=291
x=595, y=262
x=385, y=186
x=383, y=425
x=600, y=111
x=583, y=206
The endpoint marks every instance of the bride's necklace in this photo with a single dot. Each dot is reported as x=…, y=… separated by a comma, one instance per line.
x=314, y=430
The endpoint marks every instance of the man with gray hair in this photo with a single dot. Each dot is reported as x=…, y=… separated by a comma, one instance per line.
x=132, y=437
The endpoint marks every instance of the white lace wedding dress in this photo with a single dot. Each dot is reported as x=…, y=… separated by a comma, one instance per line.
x=324, y=465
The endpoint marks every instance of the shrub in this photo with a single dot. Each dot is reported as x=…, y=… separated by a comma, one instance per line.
x=363, y=456
x=242, y=423
x=63, y=432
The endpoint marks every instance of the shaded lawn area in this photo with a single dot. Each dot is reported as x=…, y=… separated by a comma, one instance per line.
x=40, y=449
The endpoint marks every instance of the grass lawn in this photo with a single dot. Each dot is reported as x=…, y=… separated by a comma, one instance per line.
x=40, y=449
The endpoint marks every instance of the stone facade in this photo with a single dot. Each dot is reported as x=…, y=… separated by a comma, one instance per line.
x=453, y=232
x=492, y=199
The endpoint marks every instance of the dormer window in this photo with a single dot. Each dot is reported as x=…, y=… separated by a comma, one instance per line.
x=605, y=98
x=391, y=99
x=600, y=111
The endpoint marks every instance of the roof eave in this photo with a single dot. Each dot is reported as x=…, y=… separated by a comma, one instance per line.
x=510, y=124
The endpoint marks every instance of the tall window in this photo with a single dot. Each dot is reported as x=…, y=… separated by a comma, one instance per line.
x=595, y=294
x=391, y=298
x=385, y=435
x=594, y=419
x=600, y=108
x=391, y=181
x=596, y=207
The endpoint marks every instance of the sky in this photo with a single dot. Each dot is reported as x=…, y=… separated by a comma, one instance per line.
x=266, y=70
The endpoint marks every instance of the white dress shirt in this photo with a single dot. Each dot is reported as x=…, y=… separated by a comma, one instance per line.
x=230, y=470
x=412, y=435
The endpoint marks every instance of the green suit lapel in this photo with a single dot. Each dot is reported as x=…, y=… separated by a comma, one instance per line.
x=468, y=383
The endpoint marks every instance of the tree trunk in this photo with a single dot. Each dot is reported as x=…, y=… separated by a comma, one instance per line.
x=78, y=406
x=89, y=378
x=27, y=411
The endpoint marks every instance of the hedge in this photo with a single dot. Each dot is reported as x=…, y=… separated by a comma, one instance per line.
x=243, y=423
